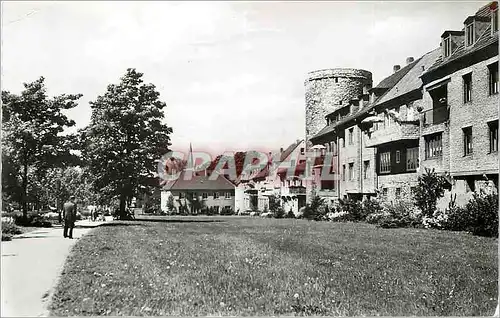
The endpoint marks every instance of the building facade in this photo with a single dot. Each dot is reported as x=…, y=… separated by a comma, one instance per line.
x=439, y=111
x=459, y=126
x=198, y=192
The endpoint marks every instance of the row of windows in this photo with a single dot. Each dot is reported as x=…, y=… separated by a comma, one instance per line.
x=204, y=195
x=397, y=191
x=411, y=160
x=433, y=143
x=492, y=82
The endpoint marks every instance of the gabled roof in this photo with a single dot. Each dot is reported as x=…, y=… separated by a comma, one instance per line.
x=411, y=81
x=288, y=151
x=392, y=79
x=199, y=182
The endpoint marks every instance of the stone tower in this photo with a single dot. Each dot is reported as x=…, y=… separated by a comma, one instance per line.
x=328, y=90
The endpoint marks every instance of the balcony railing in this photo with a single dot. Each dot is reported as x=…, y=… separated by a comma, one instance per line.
x=297, y=190
x=436, y=116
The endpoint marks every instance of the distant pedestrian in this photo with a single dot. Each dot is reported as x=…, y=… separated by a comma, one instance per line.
x=69, y=210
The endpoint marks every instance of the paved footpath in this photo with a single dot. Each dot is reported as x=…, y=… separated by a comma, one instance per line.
x=31, y=265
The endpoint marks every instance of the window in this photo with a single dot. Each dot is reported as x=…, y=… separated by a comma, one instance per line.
x=398, y=156
x=351, y=133
x=227, y=207
x=384, y=192
x=343, y=142
x=385, y=162
x=494, y=20
x=301, y=151
x=493, y=78
x=493, y=132
x=181, y=195
x=340, y=102
x=336, y=79
x=333, y=146
x=204, y=195
x=228, y=195
x=433, y=146
x=467, y=79
x=351, y=171
x=470, y=34
x=366, y=166
x=467, y=133
x=343, y=172
x=216, y=209
x=411, y=159
x=447, y=47
x=398, y=192
x=216, y=195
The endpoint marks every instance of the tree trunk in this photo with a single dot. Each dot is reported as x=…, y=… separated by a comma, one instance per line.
x=25, y=191
x=123, y=199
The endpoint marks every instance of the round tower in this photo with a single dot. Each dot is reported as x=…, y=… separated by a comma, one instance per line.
x=329, y=90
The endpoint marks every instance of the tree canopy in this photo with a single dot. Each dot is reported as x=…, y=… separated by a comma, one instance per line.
x=125, y=137
x=32, y=124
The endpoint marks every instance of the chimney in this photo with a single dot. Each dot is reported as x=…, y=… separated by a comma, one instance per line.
x=409, y=60
x=396, y=68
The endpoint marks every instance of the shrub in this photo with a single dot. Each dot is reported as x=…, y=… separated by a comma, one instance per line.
x=275, y=207
x=10, y=228
x=376, y=218
x=290, y=214
x=266, y=209
x=226, y=211
x=430, y=188
x=353, y=208
x=371, y=206
x=32, y=220
x=315, y=210
x=482, y=214
x=400, y=213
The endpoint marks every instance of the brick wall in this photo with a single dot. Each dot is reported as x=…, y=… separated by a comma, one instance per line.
x=404, y=181
x=482, y=109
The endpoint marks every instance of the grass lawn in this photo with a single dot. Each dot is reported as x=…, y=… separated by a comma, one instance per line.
x=253, y=266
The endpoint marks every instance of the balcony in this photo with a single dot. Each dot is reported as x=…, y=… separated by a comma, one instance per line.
x=395, y=132
x=297, y=190
x=436, y=116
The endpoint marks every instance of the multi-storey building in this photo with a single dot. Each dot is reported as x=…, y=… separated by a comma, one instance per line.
x=354, y=153
x=439, y=111
x=459, y=131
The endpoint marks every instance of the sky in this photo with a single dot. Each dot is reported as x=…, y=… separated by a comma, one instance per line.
x=231, y=73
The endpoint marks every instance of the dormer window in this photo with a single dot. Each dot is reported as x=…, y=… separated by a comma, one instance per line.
x=469, y=34
x=447, y=46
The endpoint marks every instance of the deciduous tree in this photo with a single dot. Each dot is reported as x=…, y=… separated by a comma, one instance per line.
x=125, y=137
x=32, y=126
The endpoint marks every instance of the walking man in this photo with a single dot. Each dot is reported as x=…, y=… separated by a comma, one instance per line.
x=69, y=210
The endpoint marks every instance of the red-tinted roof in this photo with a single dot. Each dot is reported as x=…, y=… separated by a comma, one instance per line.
x=199, y=182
